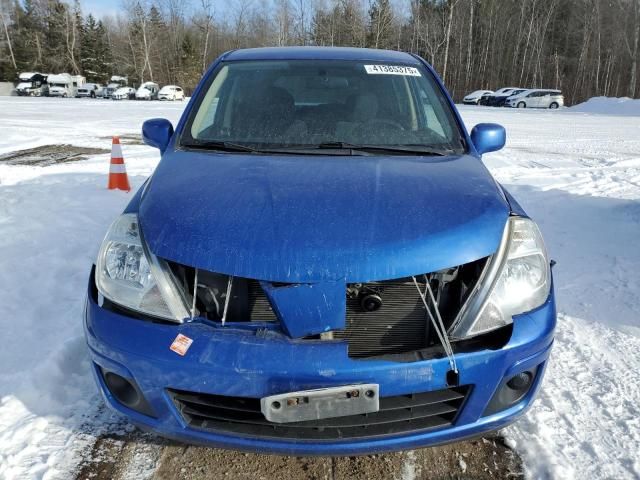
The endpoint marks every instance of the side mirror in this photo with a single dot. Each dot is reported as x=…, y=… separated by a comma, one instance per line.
x=157, y=133
x=488, y=137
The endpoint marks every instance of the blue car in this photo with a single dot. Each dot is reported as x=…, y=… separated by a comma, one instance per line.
x=321, y=265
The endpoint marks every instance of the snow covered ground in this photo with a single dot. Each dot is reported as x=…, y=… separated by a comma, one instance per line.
x=578, y=176
x=576, y=173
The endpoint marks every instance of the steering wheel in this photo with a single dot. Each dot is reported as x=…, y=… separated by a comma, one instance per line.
x=382, y=124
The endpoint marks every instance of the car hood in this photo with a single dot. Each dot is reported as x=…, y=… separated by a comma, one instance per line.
x=307, y=219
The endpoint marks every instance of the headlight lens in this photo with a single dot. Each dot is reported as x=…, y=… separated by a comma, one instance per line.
x=522, y=282
x=131, y=276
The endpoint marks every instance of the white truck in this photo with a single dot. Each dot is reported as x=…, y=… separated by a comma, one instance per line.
x=61, y=85
x=32, y=84
x=90, y=90
x=115, y=82
x=148, y=91
x=78, y=81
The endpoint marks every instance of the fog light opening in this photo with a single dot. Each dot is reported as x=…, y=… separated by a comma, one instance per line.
x=122, y=389
x=521, y=381
x=511, y=391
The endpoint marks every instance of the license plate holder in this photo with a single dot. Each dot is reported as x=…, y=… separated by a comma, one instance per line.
x=321, y=403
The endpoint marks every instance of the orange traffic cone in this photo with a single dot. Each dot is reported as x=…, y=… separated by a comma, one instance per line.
x=117, y=172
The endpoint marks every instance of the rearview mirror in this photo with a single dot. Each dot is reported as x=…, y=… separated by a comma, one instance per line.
x=488, y=137
x=157, y=133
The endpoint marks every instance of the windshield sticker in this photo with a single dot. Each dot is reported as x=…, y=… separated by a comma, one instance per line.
x=392, y=70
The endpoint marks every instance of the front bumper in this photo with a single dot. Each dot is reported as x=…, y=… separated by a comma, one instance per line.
x=237, y=362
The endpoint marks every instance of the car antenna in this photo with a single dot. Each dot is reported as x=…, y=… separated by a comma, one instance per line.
x=439, y=325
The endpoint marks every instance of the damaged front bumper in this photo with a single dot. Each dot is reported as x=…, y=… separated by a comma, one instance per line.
x=236, y=367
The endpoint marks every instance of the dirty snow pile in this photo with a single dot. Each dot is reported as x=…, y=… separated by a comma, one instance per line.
x=577, y=174
x=609, y=106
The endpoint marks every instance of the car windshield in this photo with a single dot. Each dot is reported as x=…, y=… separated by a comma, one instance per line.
x=303, y=104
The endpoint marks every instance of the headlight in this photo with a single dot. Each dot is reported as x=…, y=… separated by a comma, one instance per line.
x=517, y=280
x=128, y=274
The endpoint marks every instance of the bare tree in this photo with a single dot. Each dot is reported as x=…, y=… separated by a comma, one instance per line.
x=5, y=22
x=205, y=24
x=634, y=49
x=447, y=42
x=71, y=34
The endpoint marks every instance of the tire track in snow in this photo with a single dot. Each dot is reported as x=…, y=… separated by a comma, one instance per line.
x=586, y=420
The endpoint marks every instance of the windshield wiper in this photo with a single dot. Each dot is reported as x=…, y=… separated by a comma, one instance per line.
x=318, y=149
x=368, y=148
x=223, y=146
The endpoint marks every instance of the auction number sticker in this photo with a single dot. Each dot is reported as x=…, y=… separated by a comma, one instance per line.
x=392, y=70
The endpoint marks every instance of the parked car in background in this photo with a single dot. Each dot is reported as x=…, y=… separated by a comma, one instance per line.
x=115, y=82
x=497, y=98
x=501, y=101
x=124, y=93
x=148, y=91
x=536, y=98
x=474, y=97
x=171, y=92
x=32, y=84
x=90, y=90
x=61, y=85
x=321, y=264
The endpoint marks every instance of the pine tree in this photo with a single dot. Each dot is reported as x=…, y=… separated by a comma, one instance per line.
x=189, y=73
x=54, y=42
x=95, y=51
x=103, y=54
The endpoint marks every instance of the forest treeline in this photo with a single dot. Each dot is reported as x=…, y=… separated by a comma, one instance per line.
x=584, y=47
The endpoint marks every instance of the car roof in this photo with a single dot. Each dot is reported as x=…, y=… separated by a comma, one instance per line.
x=321, y=53
x=530, y=90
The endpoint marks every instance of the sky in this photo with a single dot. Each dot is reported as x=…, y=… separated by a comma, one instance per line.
x=100, y=8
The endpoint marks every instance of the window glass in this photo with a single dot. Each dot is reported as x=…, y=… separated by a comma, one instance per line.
x=303, y=103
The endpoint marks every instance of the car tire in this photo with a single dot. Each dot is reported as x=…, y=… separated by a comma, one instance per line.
x=554, y=105
x=92, y=95
x=522, y=105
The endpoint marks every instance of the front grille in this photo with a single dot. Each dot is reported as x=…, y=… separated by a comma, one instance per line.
x=399, y=325
x=259, y=306
x=401, y=414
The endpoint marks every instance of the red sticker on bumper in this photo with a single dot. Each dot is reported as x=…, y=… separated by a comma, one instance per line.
x=181, y=344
